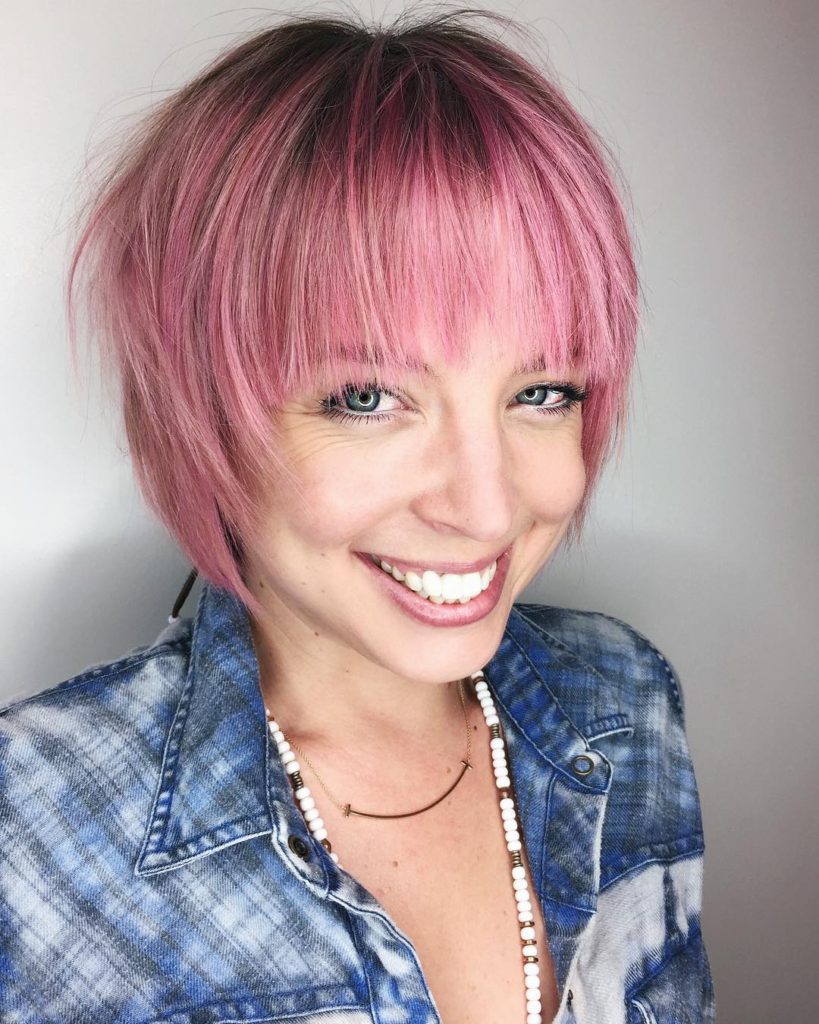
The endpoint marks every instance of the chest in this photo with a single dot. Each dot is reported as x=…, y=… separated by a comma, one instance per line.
x=446, y=883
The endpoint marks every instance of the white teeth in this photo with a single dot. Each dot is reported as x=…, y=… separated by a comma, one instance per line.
x=443, y=588
x=432, y=583
x=413, y=581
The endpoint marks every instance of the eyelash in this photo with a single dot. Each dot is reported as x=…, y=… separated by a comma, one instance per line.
x=573, y=396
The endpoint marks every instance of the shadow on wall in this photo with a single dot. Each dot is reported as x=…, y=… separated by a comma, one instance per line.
x=99, y=602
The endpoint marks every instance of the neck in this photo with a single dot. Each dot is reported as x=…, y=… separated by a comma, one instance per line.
x=333, y=698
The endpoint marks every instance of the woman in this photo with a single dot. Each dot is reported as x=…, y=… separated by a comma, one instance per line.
x=370, y=300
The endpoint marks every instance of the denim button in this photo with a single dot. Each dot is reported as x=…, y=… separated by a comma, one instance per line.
x=298, y=846
x=582, y=765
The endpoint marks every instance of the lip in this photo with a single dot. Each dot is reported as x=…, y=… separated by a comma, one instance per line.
x=427, y=612
x=462, y=568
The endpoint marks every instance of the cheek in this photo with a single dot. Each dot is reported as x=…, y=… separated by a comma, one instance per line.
x=340, y=495
x=556, y=482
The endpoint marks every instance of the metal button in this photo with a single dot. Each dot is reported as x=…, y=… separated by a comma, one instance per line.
x=298, y=846
x=582, y=765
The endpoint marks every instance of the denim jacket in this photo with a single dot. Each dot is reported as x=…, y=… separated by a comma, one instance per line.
x=155, y=867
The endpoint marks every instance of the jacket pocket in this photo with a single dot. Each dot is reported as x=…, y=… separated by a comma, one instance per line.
x=680, y=992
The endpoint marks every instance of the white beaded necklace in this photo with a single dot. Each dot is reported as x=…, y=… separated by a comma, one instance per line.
x=514, y=844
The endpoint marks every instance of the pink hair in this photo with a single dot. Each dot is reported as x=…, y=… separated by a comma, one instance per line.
x=321, y=190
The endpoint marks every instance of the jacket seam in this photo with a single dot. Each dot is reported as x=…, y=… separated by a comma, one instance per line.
x=113, y=668
x=698, y=852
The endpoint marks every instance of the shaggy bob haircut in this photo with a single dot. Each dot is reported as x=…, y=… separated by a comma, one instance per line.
x=317, y=193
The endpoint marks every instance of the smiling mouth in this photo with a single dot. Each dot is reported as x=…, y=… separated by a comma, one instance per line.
x=441, y=588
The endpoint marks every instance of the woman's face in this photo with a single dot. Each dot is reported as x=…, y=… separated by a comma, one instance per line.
x=462, y=464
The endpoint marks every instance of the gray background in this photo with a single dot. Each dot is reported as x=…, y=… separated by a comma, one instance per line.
x=704, y=535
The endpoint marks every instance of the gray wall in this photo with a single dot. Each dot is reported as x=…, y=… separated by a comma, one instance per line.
x=705, y=534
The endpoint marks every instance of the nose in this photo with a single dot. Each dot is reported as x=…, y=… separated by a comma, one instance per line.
x=468, y=481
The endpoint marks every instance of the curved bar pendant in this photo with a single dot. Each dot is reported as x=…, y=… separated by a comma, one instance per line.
x=348, y=810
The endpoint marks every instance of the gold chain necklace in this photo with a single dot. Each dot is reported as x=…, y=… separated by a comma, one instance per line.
x=347, y=810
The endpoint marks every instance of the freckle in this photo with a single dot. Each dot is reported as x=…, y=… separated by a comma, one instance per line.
x=449, y=771
x=316, y=632
x=395, y=863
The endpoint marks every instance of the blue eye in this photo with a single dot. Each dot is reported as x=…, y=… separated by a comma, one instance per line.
x=536, y=396
x=357, y=402
x=360, y=402
x=366, y=400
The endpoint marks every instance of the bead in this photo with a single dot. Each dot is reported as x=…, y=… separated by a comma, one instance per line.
x=527, y=933
x=273, y=725
x=531, y=968
x=520, y=883
x=525, y=908
x=492, y=719
x=496, y=744
x=531, y=982
x=288, y=756
x=316, y=825
x=513, y=844
x=503, y=783
x=278, y=735
x=306, y=803
x=320, y=833
x=311, y=814
x=525, y=916
x=506, y=803
x=534, y=1018
x=530, y=950
x=302, y=791
x=508, y=813
x=292, y=767
x=533, y=1001
x=283, y=745
x=518, y=871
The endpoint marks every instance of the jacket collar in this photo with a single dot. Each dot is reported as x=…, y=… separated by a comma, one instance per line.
x=218, y=783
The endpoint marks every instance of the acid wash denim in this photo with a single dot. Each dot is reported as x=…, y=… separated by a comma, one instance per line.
x=155, y=867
